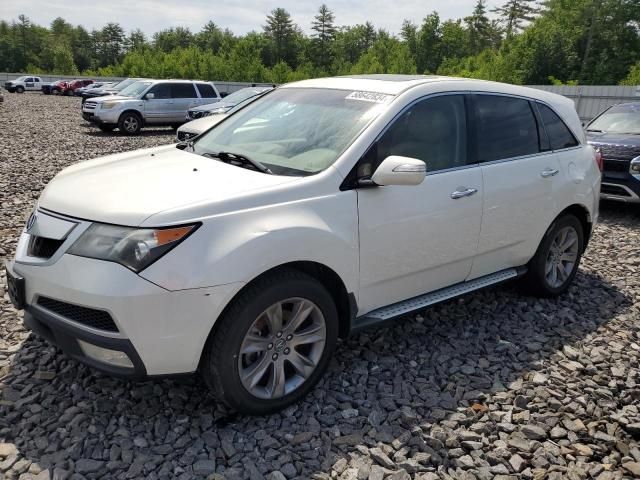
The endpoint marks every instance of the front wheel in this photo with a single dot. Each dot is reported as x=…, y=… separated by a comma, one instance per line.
x=130, y=123
x=556, y=261
x=272, y=344
x=19, y=89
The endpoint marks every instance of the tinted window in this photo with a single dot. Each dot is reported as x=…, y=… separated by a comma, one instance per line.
x=433, y=130
x=29, y=79
x=206, y=90
x=559, y=134
x=183, y=90
x=505, y=128
x=161, y=90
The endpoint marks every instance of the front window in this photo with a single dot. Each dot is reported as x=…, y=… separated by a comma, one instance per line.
x=618, y=119
x=295, y=131
x=135, y=89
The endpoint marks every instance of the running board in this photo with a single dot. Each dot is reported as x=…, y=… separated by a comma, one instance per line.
x=422, y=301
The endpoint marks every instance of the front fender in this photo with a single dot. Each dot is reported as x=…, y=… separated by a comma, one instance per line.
x=239, y=246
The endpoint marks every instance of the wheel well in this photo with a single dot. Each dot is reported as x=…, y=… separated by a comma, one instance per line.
x=582, y=214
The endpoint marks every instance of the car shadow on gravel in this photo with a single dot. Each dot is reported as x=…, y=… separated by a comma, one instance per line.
x=392, y=386
x=144, y=133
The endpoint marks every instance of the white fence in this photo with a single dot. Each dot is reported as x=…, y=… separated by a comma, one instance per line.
x=223, y=87
x=590, y=100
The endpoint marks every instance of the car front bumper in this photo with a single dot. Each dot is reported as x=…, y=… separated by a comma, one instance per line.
x=97, y=115
x=621, y=187
x=162, y=332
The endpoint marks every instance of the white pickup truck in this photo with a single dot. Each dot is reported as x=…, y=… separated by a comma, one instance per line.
x=22, y=84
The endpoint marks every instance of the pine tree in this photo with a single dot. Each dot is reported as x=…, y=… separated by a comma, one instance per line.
x=482, y=32
x=281, y=31
x=516, y=12
x=325, y=32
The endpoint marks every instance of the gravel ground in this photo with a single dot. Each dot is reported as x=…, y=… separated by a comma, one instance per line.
x=493, y=385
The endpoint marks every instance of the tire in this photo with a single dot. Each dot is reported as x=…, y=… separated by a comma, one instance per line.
x=107, y=128
x=551, y=270
x=67, y=93
x=225, y=358
x=19, y=89
x=130, y=123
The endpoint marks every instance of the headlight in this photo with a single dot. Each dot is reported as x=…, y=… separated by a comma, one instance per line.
x=108, y=105
x=134, y=248
x=634, y=168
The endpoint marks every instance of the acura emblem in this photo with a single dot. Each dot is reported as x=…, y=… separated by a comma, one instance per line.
x=31, y=221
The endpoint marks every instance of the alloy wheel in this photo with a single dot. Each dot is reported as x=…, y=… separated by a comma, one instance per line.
x=130, y=124
x=282, y=348
x=562, y=257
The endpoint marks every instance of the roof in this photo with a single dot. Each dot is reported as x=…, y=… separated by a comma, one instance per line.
x=382, y=83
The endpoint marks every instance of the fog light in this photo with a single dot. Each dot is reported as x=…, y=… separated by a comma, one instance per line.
x=106, y=355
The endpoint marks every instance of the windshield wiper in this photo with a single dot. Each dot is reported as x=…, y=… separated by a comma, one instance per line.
x=238, y=160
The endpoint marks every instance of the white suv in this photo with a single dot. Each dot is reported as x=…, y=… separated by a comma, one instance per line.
x=148, y=102
x=323, y=207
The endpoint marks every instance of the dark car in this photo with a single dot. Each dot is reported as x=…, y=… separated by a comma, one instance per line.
x=110, y=90
x=227, y=103
x=54, y=87
x=616, y=134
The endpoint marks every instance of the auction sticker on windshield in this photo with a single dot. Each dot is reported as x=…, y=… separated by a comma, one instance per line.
x=370, y=97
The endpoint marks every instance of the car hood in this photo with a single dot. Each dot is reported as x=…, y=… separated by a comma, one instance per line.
x=614, y=138
x=201, y=124
x=112, y=98
x=127, y=188
x=212, y=106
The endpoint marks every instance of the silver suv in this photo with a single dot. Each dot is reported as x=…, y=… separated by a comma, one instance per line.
x=148, y=102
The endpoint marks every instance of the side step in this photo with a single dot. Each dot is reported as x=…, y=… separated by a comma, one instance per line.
x=422, y=301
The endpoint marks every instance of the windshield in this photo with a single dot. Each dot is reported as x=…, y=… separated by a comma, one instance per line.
x=124, y=84
x=618, y=119
x=135, y=89
x=295, y=131
x=242, y=95
x=20, y=79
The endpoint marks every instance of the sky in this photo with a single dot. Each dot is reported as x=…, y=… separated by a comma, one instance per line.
x=240, y=16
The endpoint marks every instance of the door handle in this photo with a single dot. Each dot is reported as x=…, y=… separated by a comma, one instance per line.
x=463, y=192
x=549, y=172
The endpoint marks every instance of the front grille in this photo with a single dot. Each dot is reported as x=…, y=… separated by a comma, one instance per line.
x=42, y=247
x=90, y=317
x=618, y=152
x=616, y=165
x=90, y=105
x=614, y=190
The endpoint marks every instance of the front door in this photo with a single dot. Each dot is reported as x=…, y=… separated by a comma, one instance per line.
x=184, y=97
x=159, y=109
x=416, y=239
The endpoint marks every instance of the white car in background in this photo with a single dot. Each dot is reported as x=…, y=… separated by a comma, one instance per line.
x=26, y=83
x=321, y=208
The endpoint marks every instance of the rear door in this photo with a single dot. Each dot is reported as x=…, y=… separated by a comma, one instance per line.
x=522, y=181
x=184, y=97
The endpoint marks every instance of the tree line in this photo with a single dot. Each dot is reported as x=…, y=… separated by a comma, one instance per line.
x=585, y=42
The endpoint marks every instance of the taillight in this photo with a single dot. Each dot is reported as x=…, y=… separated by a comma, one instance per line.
x=599, y=160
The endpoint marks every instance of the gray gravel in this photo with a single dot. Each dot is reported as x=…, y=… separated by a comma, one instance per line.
x=494, y=385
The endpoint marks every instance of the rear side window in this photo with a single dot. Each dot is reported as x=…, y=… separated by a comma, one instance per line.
x=206, y=90
x=183, y=90
x=505, y=128
x=559, y=134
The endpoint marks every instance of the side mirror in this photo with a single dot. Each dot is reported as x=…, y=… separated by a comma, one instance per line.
x=150, y=96
x=396, y=170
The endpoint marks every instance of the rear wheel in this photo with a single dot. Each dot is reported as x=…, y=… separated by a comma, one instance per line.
x=556, y=261
x=130, y=123
x=272, y=344
x=19, y=89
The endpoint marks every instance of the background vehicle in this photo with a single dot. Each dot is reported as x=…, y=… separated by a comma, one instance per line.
x=72, y=86
x=323, y=207
x=23, y=84
x=54, y=87
x=79, y=91
x=109, y=90
x=205, y=120
x=226, y=104
x=148, y=102
x=616, y=134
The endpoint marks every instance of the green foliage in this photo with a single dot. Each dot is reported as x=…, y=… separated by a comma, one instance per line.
x=530, y=42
